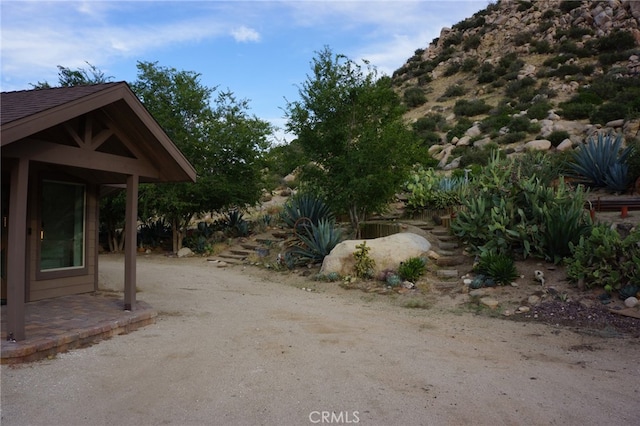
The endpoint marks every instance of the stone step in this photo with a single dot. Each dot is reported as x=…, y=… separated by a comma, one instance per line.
x=448, y=245
x=230, y=256
x=447, y=273
x=447, y=238
x=239, y=252
x=221, y=262
x=446, y=285
x=250, y=246
x=450, y=260
x=267, y=241
x=283, y=235
x=446, y=252
x=439, y=231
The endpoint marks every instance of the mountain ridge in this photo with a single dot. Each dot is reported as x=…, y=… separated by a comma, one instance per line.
x=560, y=68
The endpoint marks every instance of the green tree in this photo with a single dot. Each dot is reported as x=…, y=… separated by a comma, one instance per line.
x=78, y=77
x=349, y=122
x=220, y=139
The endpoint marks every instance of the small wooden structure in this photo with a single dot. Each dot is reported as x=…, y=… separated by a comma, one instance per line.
x=61, y=149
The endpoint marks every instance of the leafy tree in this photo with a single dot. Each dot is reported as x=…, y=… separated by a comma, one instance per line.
x=78, y=77
x=349, y=122
x=220, y=139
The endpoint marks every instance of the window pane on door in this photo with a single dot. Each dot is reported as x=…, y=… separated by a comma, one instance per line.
x=62, y=232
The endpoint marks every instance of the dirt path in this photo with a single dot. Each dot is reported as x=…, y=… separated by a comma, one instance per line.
x=239, y=346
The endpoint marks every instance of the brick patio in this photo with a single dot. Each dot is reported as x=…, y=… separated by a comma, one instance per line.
x=63, y=323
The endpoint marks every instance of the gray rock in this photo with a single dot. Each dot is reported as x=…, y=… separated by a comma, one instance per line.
x=489, y=302
x=538, y=145
x=533, y=300
x=565, y=145
x=477, y=292
x=615, y=123
x=631, y=302
x=185, y=252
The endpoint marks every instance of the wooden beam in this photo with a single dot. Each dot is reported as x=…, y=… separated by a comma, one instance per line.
x=47, y=152
x=16, y=256
x=130, y=242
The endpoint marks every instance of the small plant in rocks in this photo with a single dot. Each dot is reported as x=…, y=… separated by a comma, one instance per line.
x=365, y=265
x=500, y=267
x=412, y=269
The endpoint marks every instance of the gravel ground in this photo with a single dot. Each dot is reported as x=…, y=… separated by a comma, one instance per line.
x=584, y=319
x=244, y=346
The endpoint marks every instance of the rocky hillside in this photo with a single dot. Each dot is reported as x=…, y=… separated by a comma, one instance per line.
x=543, y=75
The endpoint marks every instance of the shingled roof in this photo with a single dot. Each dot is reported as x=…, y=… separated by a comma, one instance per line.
x=42, y=118
x=24, y=103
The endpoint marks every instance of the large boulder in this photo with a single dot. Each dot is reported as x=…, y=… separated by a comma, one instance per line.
x=387, y=252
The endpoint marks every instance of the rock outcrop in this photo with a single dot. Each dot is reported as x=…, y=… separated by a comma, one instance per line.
x=387, y=252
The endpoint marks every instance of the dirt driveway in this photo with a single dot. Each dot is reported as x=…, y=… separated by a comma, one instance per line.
x=239, y=346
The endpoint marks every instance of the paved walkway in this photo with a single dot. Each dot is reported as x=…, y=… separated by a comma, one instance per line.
x=57, y=325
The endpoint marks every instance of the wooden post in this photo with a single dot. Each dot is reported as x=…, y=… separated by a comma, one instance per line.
x=624, y=212
x=130, y=242
x=17, y=250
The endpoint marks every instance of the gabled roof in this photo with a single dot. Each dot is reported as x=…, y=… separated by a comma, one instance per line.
x=26, y=113
x=24, y=103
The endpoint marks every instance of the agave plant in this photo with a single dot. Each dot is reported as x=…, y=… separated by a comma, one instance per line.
x=235, y=223
x=601, y=162
x=305, y=208
x=316, y=241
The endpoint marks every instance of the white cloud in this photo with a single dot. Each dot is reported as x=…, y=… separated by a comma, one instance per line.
x=245, y=34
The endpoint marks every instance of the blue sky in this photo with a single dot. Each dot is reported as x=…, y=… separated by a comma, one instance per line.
x=260, y=50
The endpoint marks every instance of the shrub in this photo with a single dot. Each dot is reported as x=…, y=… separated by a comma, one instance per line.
x=471, y=42
x=602, y=258
x=428, y=190
x=470, y=108
x=542, y=47
x=514, y=88
x=610, y=58
x=412, y=269
x=511, y=137
x=539, y=110
x=576, y=110
x=557, y=136
x=473, y=156
x=522, y=38
x=459, y=129
x=469, y=64
x=607, y=112
x=487, y=76
x=154, y=233
x=520, y=123
x=430, y=122
x=566, y=69
x=617, y=40
x=453, y=39
x=451, y=69
x=453, y=91
x=365, y=265
x=414, y=97
x=500, y=267
x=508, y=212
x=567, y=6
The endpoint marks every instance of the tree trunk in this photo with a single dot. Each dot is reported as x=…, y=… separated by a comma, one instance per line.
x=175, y=230
x=355, y=221
x=120, y=240
x=177, y=234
